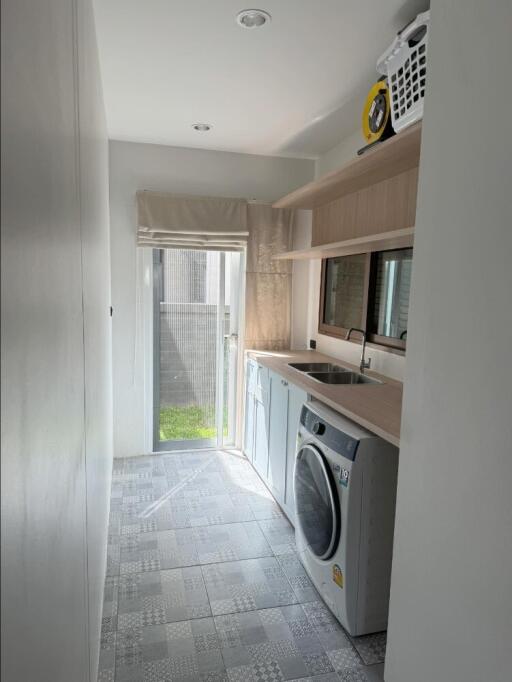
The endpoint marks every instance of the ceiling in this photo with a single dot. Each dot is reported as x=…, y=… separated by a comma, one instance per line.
x=294, y=87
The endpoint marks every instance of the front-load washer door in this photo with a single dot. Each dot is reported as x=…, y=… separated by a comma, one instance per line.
x=316, y=502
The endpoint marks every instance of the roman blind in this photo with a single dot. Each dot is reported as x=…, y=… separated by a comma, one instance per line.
x=190, y=222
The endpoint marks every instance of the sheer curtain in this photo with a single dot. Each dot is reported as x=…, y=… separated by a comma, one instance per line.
x=268, y=281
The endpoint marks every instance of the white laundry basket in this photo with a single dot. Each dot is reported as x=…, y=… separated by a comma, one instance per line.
x=405, y=65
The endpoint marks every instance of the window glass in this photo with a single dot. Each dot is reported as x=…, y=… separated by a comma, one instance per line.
x=392, y=281
x=344, y=291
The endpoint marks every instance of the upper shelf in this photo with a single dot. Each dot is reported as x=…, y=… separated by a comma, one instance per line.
x=396, y=239
x=387, y=159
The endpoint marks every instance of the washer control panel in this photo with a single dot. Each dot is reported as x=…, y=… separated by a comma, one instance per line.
x=328, y=435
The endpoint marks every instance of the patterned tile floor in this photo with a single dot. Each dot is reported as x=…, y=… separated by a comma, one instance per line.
x=203, y=582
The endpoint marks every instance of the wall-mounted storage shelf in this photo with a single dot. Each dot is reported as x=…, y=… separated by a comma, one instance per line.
x=396, y=239
x=387, y=159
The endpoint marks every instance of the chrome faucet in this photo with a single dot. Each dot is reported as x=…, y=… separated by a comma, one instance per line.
x=364, y=364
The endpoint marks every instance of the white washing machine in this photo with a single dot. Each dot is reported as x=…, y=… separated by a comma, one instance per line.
x=345, y=491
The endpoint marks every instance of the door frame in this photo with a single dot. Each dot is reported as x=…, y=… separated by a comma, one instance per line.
x=153, y=289
x=220, y=341
x=240, y=370
x=157, y=298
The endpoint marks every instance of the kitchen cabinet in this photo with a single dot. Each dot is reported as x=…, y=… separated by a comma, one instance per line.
x=278, y=431
x=260, y=455
x=272, y=412
x=249, y=413
x=261, y=422
x=296, y=399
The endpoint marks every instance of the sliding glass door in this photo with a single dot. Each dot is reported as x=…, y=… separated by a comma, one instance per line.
x=196, y=349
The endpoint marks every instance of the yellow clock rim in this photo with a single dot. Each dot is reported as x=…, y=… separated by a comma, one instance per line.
x=368, y=135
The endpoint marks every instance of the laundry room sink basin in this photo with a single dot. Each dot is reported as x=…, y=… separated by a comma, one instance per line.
x=317, y=367
x=345, y=377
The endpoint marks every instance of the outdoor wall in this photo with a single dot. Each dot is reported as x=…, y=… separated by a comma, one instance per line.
x=56, y=353
x=136, y=166
x=187, y=369
x=451, y=589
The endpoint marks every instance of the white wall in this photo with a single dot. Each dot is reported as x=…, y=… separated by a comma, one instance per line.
x=451, y=593
x=344, y=151
x=95, y=232
x=301, y=284
x=136, y=166
x=56, y=416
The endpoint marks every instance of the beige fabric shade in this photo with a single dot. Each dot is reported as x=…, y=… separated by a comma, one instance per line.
x=175, y=221
x=268, y=289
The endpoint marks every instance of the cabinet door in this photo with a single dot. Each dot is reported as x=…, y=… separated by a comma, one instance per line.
x=278, y=431
x=296, y=398
x=251, y=376
x=251, y=373
x=260, y=457
x=249, y=426
x=262, y=383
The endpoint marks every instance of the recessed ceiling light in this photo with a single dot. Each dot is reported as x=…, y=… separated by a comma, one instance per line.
x=253, y=18
x=202, y=127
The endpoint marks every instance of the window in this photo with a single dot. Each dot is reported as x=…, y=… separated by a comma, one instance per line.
x=370, y=291
x=344, y=291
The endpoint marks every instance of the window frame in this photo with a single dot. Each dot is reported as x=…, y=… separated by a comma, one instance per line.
x=386, y=343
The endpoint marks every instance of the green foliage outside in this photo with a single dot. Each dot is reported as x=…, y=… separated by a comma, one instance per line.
x=188, y=423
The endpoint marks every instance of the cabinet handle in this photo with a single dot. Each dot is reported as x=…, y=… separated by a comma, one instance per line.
x=285, y=383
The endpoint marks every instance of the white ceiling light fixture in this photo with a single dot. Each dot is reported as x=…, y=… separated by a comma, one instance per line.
x=202, y=127
x=253, y=18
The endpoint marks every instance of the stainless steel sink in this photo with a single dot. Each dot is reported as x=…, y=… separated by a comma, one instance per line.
x=317, y=367
x=346, y=377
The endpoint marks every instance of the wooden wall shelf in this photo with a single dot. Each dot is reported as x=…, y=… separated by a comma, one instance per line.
x=396, y=239
x=392, y=157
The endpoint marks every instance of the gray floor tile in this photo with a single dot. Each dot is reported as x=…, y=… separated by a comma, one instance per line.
x=371, y=648
x=191, y=546
x=210, y=510
x=157, y=597
x=353, y=675
x=231, y=542
x=261, y=503
x=374, y=673
x=174, y=651
x=110, y=604
x=107, y=658
x=133, y=525
x=345, y=659
x=279, y=534
x=195, y=534
x=299, y=580
x=325, y=625
x=327, y=677
x=247, y=585
x=275, y=644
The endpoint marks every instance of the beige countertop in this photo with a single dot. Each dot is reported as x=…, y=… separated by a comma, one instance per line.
x=376, y=407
